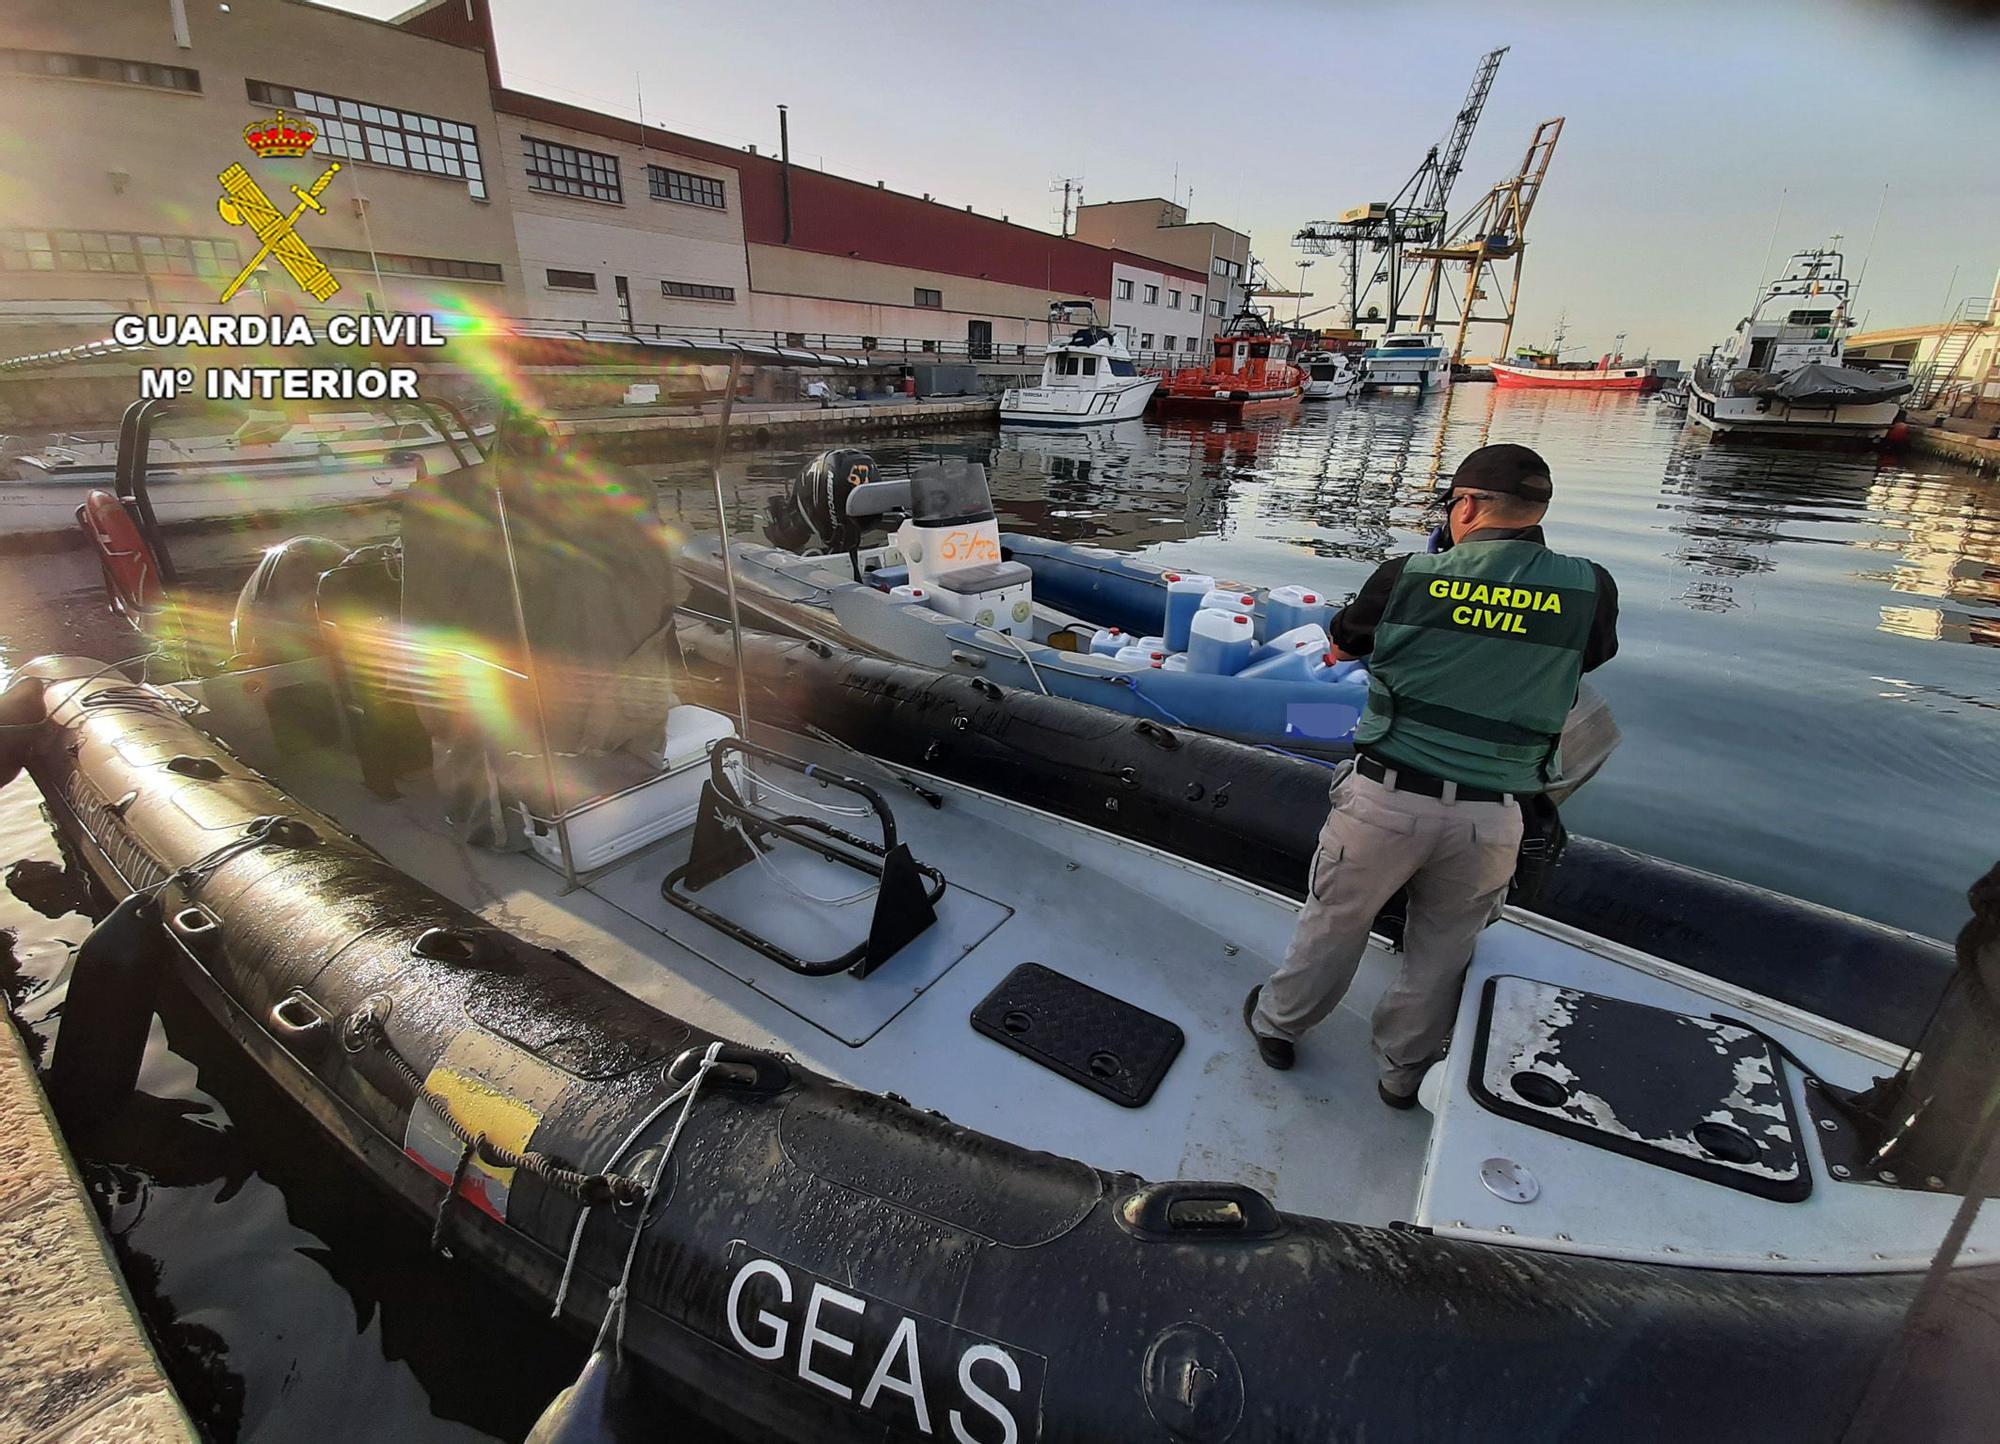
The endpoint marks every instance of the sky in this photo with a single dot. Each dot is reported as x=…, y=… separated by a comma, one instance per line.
x=1687, y=125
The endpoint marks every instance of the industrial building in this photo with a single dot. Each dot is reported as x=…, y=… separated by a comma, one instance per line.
x=459, y=192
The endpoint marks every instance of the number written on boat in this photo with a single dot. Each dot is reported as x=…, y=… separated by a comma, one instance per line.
x=968, y=546
x=915, y=1374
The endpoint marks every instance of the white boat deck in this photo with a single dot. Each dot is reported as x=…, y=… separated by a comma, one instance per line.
x=1185, y=943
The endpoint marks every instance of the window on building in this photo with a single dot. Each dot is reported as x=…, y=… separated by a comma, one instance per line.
x=25, y=250
x=1145, y=340
x=1124, y=290
x=100, y=67
x=1173, y=301
x=933, y=299
x=1194, y=302
x=390, y=264
x=1194, y=343
x=565, y=170
x=1170, y=343
x=573, y=280
x=682, y=186
x=1215, y=308
x=383, y=135
x=694, y=291
x=1152, y=295
x=1222, y=266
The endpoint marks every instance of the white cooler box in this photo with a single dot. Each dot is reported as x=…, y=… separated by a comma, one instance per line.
x=606, y=828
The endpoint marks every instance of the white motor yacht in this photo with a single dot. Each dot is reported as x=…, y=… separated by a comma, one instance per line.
x=1407, y=360
x=1089, y=378
x=1783, y=376
x=1330, y=375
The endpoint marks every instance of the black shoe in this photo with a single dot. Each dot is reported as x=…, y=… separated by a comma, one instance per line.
x=1276, y=1052
x=1394, y=1100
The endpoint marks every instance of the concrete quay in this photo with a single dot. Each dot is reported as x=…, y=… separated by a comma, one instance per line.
x=1963, y=441
x=76, y=1366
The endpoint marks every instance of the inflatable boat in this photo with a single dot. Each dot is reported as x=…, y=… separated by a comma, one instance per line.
x=874, y=1070
x=951, y=590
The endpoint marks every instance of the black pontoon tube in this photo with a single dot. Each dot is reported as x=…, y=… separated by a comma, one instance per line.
x=827, y=1264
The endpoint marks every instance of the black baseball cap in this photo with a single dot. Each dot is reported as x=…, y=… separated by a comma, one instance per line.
x=1507, y=469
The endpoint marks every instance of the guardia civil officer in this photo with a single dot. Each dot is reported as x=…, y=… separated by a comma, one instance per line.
x=1474, y=652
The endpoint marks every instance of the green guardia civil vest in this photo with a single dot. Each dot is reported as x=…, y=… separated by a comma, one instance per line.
x=1476, y=663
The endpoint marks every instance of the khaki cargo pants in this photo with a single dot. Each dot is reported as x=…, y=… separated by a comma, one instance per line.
x=1456, y=858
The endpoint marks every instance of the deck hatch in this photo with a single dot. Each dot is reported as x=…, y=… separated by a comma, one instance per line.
x=1695, y=1095
x=1116, y=1050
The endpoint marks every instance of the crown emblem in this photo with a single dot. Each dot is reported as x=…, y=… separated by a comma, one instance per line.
x=278, y=136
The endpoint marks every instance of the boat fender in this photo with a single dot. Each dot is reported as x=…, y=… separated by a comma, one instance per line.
x=603, y=1406
x=108, y=1012
x=21, y=717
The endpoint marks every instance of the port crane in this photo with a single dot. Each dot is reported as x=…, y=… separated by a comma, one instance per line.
x=1489, y=244
x=1415, y=218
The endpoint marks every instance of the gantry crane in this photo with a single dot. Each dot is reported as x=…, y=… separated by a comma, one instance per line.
x=1492, y=235
x=1416, y=217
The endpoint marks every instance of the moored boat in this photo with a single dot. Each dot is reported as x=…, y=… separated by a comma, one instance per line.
x=270, y=464
x=1783, y=377
x=1012, y=1171
x=1249, y=373
x=1406, y=361
x=1330, y=375
x=1087, y=380
x=1608, y=373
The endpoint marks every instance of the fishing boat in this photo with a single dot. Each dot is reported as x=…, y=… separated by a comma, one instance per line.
x=867, y=1063
x=1783, y=376
x=1330, y=375
x=1088, y=380
x=1531, y=367
x=1250, y=372
x=273, y=462
x=1406, y=361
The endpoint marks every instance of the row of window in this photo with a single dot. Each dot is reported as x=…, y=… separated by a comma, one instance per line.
x=25, y=250
x=1153, y=297
x=390, y=264
x=1167, y=343
x=593, y=175
x=100, y=67
x=683, y=290
x=383, y=135
x=1228, y=270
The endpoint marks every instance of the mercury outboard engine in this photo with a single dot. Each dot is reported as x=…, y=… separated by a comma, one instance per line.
x=1927, y=1121
x=812, y=515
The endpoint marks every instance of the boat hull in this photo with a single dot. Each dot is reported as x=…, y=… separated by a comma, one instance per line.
x=1623, y=378
x=35, y=502
x=1754, y=419
x=1226, y=404
x=1395, y=377
x=798, y=1210
x=1056, y=406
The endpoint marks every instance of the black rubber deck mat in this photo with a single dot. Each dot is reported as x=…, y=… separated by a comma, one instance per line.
x=1114, y=1049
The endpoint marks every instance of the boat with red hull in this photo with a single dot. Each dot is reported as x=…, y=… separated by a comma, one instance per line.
x=1610, y=372
x=1250, y=373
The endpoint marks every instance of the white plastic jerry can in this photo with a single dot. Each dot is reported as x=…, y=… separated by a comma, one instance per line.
x=1184, y=593
x=1310, y=639
x=1106, y=641
x=1286, y=608
x=909, y=594
x=1141, y=655
x=1219, y=642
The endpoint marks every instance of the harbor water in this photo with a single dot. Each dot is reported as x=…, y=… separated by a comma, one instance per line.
x=1808, y=685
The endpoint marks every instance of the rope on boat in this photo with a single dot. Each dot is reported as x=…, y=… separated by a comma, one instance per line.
x=684, y=1095
x=591, y=1188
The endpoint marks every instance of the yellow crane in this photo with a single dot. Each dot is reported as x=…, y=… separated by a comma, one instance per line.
x=1490, y=241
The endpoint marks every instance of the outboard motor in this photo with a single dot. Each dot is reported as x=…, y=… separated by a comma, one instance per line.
x=276, y=618
x=1926, y=1121
x=813, y=515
